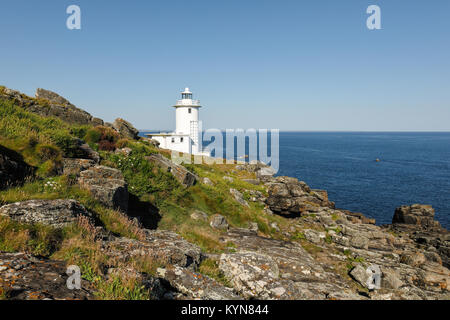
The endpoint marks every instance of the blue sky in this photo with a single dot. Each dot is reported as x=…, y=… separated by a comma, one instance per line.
x=291, y=65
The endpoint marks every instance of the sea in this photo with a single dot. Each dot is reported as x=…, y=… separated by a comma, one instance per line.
x=372, y=172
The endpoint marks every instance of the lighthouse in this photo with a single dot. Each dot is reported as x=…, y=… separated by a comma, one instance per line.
x=186, y=137
x=186, y=114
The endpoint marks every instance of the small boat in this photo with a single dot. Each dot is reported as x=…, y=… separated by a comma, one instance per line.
x=377, y=160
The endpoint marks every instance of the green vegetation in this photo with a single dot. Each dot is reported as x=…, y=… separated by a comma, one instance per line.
x=102, y=138
x=122, y=288
x=43, y=142
x=210, y=268
x=352, y=260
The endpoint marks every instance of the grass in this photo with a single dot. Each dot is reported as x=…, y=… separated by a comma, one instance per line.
x=40, y=140
x=210, y=268
x=43, y=142
x=60, y=188
x=35, y=239
x=122, y=287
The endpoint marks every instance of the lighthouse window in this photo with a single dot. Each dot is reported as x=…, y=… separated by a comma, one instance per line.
x=189, y=110
x=181, y=139
x=173, y=140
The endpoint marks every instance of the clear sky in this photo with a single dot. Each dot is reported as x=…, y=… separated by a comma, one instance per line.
x=291, y=65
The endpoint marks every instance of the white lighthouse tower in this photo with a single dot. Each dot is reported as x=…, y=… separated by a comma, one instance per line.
x=186, y=137
x=187, y=119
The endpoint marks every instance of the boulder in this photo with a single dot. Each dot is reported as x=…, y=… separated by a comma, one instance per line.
x=107, y=185
x=75, y=166
x=238, y=197
x=154, y=142
x=196, y=286
x=218, y=222
x=27, y=277
x=163, y=246
x=58, y=107
x=253, y=226
x=207, y=181
x=361, y=275
x=183, y=176
x=199, y=215
x=97, y=122
x=256, y=196
x=126, y=129
x=289, y=196
x=52, y=97
x=50, y=104
x=13, y=170
x=86, y=152
x=417, y=214
x=250, y=274
x=265, y=173
x=124, y=151
x=314, y=236
x=55, y=213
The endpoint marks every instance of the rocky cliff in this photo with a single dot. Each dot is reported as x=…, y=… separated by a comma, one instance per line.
x=141, y=227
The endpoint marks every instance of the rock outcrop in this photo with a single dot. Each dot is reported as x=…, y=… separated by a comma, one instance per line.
x=260, y=169
x=194, y=285
x=164, y=246
x=183, y=176
x=13, y=170
x=126, y=129
x=52, y=97
x=288, y=196
x=75, y=166
x=84, y=151
x=107, y=185
x=418, y=222
x=218, y=221
x=26, y=277
x=239, y=197
x=55, y=213
x=50, y=104
x=419, y=215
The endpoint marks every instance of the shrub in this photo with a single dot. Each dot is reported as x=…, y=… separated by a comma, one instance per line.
x=92, y=136
x=67, y=143
x=105, y=145
x=49, y=168
x=105, y=137
x=122, y=143
x=48, y=152
x=80, y=132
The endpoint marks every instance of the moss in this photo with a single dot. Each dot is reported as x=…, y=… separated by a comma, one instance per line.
x=298, y=236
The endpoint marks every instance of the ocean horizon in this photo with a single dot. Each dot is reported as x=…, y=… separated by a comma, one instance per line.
x=414, y=167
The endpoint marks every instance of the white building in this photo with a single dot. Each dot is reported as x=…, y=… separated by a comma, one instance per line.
x=186, y=137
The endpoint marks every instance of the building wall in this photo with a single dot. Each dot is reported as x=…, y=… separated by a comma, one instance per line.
x=184, y=118
x=177, y=145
